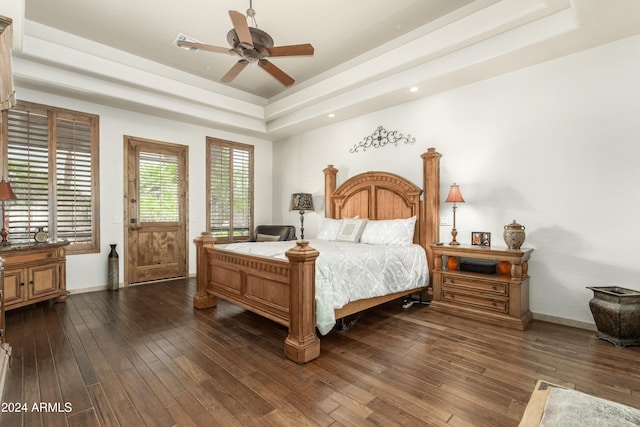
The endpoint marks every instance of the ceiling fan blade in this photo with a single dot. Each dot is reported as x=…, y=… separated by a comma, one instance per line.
x=202, y=46
x=291, y=50
x=276, y=72
x=234, y=71
x=242, y=28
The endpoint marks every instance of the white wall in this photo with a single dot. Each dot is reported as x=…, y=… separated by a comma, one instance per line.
x=555, y=146
x=85, y=272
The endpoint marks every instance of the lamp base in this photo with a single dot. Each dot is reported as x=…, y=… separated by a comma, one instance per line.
x=454, y=234
x=301, y=225
x=4, y=233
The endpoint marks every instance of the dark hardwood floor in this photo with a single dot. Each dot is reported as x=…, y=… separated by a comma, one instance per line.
x=144, y=356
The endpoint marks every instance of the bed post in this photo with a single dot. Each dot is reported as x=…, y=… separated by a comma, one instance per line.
x=203, y=299
x=302, y=343
x=431, y=212
x=329, y=188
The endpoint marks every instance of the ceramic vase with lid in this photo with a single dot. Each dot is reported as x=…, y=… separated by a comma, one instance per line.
x=514, y=235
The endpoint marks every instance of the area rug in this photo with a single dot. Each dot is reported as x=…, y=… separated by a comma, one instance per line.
x=568, y=408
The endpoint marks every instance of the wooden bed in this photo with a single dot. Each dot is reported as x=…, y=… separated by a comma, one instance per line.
x=285, y=291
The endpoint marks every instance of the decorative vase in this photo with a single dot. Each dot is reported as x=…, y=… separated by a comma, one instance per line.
x=113, y=275
x=514, y=235
x=504, y=267
x=452, y=263
x=616, y=312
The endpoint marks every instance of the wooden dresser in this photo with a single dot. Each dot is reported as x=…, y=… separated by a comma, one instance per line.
x=501, y=298
x=34, y=272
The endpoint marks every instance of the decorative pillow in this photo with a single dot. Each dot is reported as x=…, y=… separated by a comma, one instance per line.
x=267, y=238
x=389, y=232
x=329, y=229
x=351, y=230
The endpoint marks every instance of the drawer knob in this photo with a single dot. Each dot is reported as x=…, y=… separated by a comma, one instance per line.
x=49, y=255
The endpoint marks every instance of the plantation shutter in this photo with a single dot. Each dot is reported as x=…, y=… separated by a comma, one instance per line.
x=74, y=183
x=241, y=194
x=52, y=165
x=28, y=172
x=158, y=180
x=230, y=189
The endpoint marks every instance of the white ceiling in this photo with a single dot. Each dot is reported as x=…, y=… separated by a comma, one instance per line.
x=367, y=52
x=338, y=29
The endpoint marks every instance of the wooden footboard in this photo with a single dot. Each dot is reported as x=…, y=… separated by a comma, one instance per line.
x=283, y=291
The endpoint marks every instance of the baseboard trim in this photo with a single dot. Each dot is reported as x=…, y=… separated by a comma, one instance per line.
x=91, y=289
x=565, y=321
x=120, y=285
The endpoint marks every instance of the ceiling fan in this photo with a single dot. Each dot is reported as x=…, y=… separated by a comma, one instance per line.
x=252, y=45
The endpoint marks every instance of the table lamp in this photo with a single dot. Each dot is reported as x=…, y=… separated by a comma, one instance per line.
x=454, y=197
x=6, y=194
x=301, y=202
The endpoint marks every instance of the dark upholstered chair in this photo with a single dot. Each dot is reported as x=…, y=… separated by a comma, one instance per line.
x=283, y=232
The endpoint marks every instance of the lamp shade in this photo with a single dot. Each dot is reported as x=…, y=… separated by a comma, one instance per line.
x=6, y=193
x=454, y=194
x=301, y=202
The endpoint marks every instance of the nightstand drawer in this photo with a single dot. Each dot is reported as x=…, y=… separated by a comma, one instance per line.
x=493, y=304
x=482, y=285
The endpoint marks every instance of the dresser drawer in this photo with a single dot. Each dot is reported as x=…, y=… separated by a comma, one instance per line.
x=30, y=258
x=481, y=285
x=487, y=303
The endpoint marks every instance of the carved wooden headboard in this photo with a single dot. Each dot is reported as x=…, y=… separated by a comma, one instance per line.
x=384, y=195
x=377, y=195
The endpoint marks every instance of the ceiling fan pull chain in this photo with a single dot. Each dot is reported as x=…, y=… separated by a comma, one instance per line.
x=251, y=14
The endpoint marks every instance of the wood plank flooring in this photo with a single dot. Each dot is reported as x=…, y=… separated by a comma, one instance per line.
x=142, y=356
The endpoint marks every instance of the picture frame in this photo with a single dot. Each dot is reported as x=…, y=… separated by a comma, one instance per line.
x=480, y=238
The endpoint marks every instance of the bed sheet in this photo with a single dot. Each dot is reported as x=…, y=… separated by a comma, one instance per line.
x=348, y=272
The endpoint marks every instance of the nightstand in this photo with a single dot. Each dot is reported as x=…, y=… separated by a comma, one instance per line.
x=500, y=297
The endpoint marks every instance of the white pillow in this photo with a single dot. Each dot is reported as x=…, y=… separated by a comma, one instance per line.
x=329, y=229
x=389, y=232
x=351, y=230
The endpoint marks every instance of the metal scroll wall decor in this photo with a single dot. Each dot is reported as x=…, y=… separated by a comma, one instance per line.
x=381, y=137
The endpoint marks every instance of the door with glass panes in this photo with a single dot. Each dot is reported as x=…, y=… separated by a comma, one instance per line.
x=155, y=210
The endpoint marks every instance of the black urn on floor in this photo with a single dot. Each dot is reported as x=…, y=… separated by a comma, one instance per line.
x=616, y=312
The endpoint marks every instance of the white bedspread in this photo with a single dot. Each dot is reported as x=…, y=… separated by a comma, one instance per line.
x=348, y=272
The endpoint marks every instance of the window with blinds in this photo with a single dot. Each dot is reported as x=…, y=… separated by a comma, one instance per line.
x=52, y=165
x=230, y=189
x=159, y=199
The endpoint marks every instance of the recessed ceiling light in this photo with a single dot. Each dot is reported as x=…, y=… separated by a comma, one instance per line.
x=414, y=89
x=332, y=115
